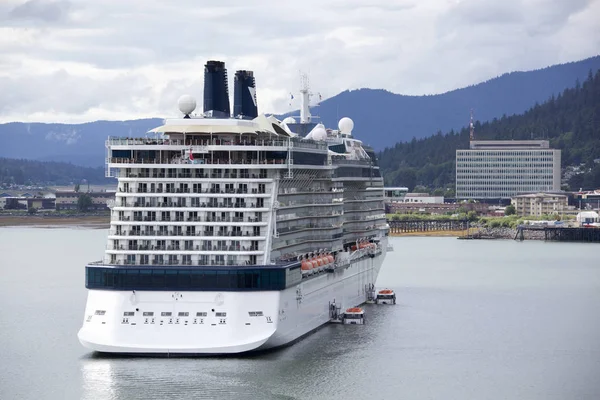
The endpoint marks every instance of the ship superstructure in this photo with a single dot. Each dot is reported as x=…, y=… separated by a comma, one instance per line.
x=231, y=234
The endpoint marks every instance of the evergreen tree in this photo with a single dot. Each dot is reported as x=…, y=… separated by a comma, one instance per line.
x=571, y=121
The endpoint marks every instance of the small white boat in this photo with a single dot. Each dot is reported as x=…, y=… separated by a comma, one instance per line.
x=354, y=316
x=385, y=296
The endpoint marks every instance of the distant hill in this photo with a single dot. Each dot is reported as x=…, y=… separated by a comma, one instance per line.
x=23, y=172
x=81, y=144
x=381, y=118
x=570, y=120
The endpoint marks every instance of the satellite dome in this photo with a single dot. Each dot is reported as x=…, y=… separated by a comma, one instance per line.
x=346, y=125
x=187, y=104
x=319, y=134
x=289, y=120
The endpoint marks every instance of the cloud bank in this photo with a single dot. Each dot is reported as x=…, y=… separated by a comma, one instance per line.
x=79, y=60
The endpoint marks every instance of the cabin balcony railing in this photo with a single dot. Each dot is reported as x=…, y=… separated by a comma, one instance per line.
x=119, y=141
x=182, y=205
x=115, y=141
x=153, y=247
x=197, y=176
x=199, y=161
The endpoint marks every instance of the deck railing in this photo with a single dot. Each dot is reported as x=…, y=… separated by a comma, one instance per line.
x=307, y=144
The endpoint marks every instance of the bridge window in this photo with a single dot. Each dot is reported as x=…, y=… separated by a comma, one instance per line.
x=185, y=278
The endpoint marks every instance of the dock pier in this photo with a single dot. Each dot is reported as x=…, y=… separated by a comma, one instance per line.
x=572, y=234
x=560, y=234
x=407, y=226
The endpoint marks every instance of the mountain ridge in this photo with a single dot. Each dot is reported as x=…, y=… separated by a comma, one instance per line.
x=398, y=117
x=569, y=120
x=382, y=118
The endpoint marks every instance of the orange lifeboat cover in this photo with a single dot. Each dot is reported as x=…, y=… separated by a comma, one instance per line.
x=386, y=291
x=314, y=262
x=354, y=310
x=330, y=258
x=306, y=265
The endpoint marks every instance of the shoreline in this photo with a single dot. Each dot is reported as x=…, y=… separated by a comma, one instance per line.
x=45, y=221
x=457, y=233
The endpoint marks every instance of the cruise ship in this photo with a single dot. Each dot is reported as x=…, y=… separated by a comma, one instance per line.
x=234, y=232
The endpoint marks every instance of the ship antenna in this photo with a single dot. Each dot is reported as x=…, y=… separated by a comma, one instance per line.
x=471, y=128
x=304, y=99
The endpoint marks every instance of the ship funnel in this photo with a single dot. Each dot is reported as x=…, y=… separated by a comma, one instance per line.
x=244, y=95
x=216, y=90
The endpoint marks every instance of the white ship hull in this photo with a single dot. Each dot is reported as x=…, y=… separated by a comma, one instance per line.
x=253, y=320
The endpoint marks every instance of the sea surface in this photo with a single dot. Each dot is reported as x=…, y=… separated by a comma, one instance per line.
x=475, y=320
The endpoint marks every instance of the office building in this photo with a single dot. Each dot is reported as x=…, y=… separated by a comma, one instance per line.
x=501, y=169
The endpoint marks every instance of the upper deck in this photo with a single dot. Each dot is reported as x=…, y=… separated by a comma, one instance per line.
x=213, y=143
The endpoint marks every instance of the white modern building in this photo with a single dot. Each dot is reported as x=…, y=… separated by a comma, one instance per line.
x=501, y=169
x=422, y=198
x=394, y=194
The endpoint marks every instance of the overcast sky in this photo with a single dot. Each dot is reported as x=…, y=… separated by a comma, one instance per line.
x=83, y=60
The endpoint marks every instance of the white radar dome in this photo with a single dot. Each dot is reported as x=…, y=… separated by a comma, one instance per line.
x=318, y=133
x=346, y=125
x=289, y=120
x=187, y=104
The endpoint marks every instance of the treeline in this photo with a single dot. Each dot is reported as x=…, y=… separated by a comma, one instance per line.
x=571, y=121
x=29, y=172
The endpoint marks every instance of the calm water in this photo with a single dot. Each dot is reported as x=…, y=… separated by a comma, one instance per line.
x=475, y=320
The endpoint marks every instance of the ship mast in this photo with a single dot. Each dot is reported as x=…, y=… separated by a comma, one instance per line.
x=305, y=94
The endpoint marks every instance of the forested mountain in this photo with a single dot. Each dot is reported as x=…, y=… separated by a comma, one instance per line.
x=23, y=172
x=381, y=118
x=570, y=120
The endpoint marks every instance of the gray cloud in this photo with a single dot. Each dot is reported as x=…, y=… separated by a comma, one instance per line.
x=45, y=10
x=114, y=59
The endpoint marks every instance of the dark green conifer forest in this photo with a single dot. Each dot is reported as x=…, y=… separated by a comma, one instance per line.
x=571, y=121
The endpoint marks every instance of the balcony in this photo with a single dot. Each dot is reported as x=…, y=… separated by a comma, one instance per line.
x=182, y=160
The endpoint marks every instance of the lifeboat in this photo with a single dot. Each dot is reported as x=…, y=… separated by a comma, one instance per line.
x=354, y=310
x=315, y=263
x=320, y=262
x=385, y=296
x=330, y=258
x=306, y=265
x=353, y=248
x=354, y=316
